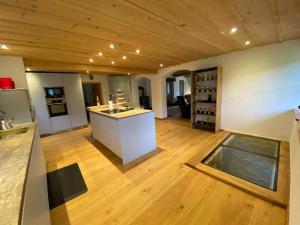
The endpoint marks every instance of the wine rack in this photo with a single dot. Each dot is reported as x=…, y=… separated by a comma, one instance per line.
x=206, y=98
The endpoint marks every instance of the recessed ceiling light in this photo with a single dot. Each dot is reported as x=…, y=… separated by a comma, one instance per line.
x=247, y=42
x=28, y=69
x=112, y=46
x=91, y=60
x=4, y=47
x=87, y=71
x=233, y=30
x=112, y=62
x=137, y=51
x=128, y=74
x=100, y=53
x=161, y=65
x=124, y=57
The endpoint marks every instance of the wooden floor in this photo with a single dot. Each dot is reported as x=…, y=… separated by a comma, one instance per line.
x=160, y=190
x=174, y=112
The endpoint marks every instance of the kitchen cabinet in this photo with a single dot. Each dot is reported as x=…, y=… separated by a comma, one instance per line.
x=52, y=80
x=35, y=206
x=60, y=123
x=75, y=100
x=15, y=103
x=129, y=134
x=37, y=94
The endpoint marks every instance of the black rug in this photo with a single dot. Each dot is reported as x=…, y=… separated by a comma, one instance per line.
x=65, y=184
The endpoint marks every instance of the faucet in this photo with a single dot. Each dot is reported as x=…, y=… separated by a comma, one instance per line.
x=4, y=125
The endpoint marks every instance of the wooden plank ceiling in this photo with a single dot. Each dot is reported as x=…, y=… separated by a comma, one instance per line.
x=63, y=35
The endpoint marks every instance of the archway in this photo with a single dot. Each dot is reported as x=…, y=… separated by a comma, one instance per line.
x=144, y=92
x=176, y=92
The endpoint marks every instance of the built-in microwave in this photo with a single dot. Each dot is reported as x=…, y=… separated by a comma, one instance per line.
x=57, y=107
x=54, y=92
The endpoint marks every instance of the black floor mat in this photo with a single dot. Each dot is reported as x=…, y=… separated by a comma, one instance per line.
x=65, y=184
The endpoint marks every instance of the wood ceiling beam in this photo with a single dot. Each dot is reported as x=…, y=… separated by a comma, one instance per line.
x=54, y=55
x=21, y=31
x=52, y=66
x=73, y=51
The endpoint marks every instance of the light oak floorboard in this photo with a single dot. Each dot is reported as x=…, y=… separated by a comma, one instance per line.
x=161, y=190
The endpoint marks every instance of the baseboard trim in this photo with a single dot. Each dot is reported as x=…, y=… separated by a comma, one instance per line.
x=63, y=131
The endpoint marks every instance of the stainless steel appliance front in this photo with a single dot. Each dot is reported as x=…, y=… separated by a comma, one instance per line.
x=57, y=107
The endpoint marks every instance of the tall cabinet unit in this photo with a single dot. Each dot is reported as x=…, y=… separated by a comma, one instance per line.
x=206, y=99
x=71, y=84
x=75, y=100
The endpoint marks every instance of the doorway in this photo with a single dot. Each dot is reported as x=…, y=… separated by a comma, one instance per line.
x=145, y=95
x=92, y=93
x=178, y=94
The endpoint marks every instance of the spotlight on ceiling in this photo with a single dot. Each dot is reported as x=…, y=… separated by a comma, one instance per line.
x=233, y=30
x=4, y=47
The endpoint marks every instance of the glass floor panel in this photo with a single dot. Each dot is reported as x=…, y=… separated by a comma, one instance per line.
x=252, y=144
x=251, y=159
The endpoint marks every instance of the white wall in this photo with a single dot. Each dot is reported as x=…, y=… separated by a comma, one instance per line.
x=13, y=67
x=103, y=79
x=187, y=86
x=294, y=207
x=155, y=91
x=260, y=86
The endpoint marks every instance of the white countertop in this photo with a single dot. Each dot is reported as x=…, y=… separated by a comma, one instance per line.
x=15, y=154
x=120, y=115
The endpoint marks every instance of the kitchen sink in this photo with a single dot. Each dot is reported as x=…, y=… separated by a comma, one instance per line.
x=12, y=132
x=116, y=111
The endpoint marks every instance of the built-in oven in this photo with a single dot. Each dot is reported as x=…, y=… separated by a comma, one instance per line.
x=57, y=107
x=54, y=92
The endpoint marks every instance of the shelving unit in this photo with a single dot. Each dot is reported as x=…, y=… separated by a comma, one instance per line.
x=120, y=97
x=206, y=99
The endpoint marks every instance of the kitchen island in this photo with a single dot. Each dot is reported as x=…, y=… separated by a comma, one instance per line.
x=130, y=134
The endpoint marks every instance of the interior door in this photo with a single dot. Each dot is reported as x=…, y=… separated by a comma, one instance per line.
x=96, y=89
x=170, y=91
x=181, y=87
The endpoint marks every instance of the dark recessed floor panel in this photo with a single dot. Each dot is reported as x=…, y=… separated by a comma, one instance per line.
x=65, y=184
x=249, y=158
x=252, y=144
